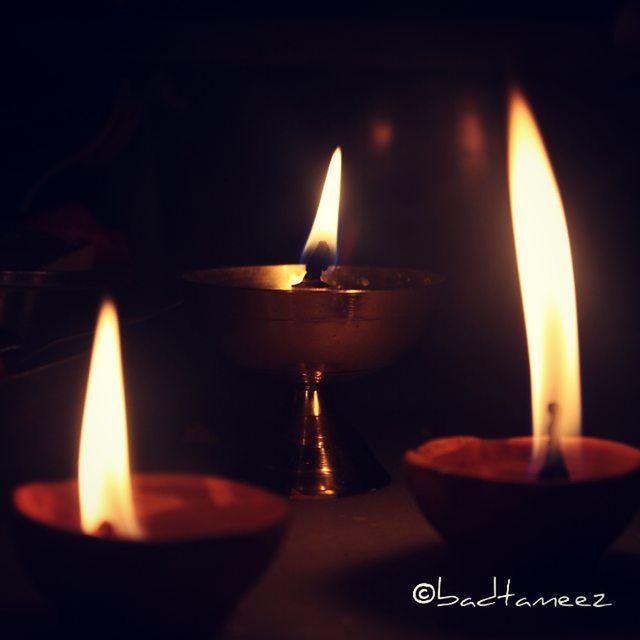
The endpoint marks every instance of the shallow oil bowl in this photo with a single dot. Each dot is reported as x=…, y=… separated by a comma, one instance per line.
x=361, y=321
x=481, y=497
x=183, y=580
x=40, y=305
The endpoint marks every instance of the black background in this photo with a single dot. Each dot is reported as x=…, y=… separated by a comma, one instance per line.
x=218, y=124
x=222, y=122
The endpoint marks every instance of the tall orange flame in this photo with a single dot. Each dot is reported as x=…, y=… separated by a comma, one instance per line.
x=546, y=276
x=103, y=468
x=325, y=225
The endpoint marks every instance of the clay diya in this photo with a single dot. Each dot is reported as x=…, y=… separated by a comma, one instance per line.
x=159, y=553
x=483, y=496
x=555, y=496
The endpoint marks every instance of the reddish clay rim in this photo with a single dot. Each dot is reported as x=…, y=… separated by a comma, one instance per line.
x=173, y=508
x=483, y=459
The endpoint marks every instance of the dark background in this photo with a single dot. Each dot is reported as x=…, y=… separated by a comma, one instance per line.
x=174, y=136
x=201, y=136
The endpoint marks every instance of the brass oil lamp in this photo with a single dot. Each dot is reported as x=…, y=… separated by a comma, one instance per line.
x=314, y=321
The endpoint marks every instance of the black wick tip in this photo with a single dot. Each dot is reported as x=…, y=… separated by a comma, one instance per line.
x=318, y=261
x=554, y=467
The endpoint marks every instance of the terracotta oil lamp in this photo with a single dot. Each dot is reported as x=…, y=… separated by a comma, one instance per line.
x=161, y=553
x=556, y=495
x=316, y=321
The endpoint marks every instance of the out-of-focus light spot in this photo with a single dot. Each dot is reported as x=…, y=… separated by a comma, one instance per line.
x=471, y=137
x=471, y=141
x=382, y=133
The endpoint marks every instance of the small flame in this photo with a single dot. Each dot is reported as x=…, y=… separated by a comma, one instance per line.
x=546, y=277
x=106, y=500
x=325, y=225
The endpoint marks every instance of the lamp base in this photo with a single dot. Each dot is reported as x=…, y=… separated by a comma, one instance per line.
x=324, y=461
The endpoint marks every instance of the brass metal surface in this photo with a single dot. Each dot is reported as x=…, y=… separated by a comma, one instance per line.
x=361, y=320
x=261, y=322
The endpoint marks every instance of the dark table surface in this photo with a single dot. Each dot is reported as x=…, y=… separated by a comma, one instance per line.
x=348, y=567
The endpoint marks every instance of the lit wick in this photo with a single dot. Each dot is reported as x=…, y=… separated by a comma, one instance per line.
x=554, y=467
x=316, y=263
x=106, y=530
